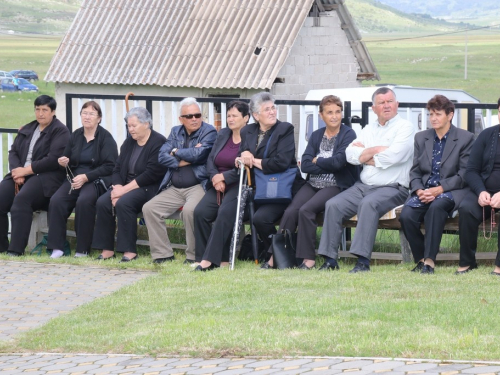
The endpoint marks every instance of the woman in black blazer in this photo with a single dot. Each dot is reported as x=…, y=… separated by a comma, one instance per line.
x=219, y=204
x=136, y=179
x=483, y=177
x=90, y=154
x=324, y=161
x=34, y=171
x=280, y=156
x=437, y=182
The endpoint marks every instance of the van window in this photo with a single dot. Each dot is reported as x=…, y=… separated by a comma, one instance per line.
x=309, y=125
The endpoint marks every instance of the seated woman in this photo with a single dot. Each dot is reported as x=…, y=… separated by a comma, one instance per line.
x=280, y=156
x=90, y=154
x=437, y=182
x=34, y=172
x=324, y=161
x=218, y=206
x=135, y=180
x=483, y=177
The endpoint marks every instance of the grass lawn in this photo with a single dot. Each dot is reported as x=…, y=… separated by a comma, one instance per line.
x=389, y=312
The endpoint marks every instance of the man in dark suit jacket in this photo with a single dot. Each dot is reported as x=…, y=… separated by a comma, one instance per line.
x=437, y=182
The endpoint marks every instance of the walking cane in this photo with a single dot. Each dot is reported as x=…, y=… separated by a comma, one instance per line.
x=236, y=224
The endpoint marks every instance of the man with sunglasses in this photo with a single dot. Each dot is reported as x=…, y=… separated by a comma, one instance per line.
x=185, y=154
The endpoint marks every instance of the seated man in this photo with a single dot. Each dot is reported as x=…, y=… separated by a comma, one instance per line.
x=385, y=148
x=437, y=181
x=185, y=154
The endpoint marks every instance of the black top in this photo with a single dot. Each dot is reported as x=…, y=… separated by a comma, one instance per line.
x=47, y=150
x=492, y=183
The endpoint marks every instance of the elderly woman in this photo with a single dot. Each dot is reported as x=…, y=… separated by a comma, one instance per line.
x=135, y=180
x=218, y=206
x=437, y=182
x=483, y=177
x=89, y=156
x=324, y=161
x=277, y=137
x=34, y=172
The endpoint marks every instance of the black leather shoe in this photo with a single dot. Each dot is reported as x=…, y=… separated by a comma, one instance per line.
x=418, y=267
x=209, y=268
x=266, y=266
x=13, y=254
x=467, y=270
x=427, y=270
x=494, y=273
x=163, y=260
x=303, y=266
x=360, y=267
x=188, y=261
x=100, y=257
x=327, y=266
x=127, y=259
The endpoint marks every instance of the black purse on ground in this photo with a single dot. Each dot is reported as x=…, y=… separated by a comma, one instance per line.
x=283, y=245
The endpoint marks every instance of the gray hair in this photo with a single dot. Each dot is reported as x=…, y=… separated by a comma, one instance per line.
x=142, y=114
x=258, y=99
x=189, y=101
x=382, y=91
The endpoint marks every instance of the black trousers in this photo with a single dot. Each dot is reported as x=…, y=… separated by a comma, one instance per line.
x=434, y=216
x=470, y=216
x=60, y=207
x=21, y=206
x=214, y=225
x=301, y=214
x=127, y=208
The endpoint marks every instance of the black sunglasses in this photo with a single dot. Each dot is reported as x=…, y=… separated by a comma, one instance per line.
x=189, y=117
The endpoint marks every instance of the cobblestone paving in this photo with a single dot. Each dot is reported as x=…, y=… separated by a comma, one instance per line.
x=130, y=364
x=33, y=293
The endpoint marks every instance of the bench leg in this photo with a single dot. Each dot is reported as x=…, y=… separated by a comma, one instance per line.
x=405, y=248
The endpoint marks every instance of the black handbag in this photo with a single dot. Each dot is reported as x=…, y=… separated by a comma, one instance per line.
x=274, y=187
x=100, y=186
x=283, y=245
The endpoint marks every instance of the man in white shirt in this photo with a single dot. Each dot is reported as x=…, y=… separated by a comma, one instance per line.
x=385, y=149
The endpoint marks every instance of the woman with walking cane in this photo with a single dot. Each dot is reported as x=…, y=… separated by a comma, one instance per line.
x=214, y=215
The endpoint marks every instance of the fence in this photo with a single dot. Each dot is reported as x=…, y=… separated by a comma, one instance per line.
x=303, y=114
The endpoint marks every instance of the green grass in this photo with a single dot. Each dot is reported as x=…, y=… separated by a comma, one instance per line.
x=389, y=312
x=439, y=62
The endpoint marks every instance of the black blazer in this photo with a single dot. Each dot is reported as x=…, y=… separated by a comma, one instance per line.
x=482, y=158
x=281, y=150
x=47, y=150
x=453, y=162
x=104, y=154
x=231, y=176
x=152, y=171
x=345, y=174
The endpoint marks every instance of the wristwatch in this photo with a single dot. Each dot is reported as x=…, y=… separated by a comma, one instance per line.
x=174, y=150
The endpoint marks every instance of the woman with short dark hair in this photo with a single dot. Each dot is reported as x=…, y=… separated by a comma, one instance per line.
x=215, y=214
x=34, y=174
x=437, y=182
x=89, y=157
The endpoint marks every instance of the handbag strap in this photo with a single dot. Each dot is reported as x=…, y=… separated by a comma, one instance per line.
x=267, y=145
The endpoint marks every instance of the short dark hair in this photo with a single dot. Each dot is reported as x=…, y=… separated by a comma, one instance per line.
x=46, y=100
x=441, y=103
x=330, y=99
x=94, y=105
x=242, y=107
x=382, y=91
x=498, y=102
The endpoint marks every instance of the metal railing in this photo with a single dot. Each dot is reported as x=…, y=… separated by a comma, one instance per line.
x=302, y=113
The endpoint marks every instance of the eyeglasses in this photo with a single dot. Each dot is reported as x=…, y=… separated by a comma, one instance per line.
x=90, y=114
x=190, y=116
x=269, y=109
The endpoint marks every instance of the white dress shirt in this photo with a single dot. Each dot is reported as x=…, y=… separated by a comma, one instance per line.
x=392, y=165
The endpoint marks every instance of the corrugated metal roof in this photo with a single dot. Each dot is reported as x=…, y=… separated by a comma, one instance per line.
x=183, y=43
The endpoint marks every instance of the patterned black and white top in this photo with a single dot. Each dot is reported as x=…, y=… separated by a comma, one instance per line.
x=326, y=148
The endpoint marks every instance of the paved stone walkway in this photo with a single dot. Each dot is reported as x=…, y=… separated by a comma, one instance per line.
x=33, y=293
